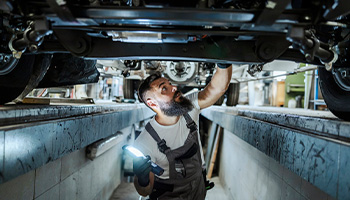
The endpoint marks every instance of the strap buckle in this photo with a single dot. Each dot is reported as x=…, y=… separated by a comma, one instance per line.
x=162, y=146
x=192, y=126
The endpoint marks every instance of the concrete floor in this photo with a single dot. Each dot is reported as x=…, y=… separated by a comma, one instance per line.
x=126, y=191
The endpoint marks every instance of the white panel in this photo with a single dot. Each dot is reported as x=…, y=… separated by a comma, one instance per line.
x=72, y=162
x=21, y=187
x=51, y=194
x=47, y=176
x=69, y=187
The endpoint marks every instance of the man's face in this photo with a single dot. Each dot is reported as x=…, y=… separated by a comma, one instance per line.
x=170, y=100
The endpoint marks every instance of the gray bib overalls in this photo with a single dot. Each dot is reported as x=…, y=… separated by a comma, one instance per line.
x=186, y=181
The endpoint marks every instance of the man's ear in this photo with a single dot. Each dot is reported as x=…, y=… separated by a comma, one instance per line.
x=151, y=103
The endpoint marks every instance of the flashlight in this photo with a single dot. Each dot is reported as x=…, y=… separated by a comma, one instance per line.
x=132, y=151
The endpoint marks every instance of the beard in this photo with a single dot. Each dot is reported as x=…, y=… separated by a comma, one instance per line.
x=174, y=108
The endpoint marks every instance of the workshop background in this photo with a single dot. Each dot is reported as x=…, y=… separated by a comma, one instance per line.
x=263, y=148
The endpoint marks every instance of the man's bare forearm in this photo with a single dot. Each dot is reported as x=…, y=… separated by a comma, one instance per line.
x=216, y=88
x=221, y=79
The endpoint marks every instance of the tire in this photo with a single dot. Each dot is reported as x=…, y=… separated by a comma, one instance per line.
x=233, y=94
x=69, y=70
x=12, y=84
x=130, y=86
x=24, y=78
x=336, y=98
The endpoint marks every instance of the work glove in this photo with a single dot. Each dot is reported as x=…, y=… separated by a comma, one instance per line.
x=223, y=66
x=142, y=167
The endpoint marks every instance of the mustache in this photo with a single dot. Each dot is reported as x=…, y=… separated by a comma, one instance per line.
x=177, y=92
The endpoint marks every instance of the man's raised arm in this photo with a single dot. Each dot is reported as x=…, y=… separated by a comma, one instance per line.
x=216, y=87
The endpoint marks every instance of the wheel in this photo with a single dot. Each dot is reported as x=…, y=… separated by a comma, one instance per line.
x=41, y=65
x=28, y=72
x=13, y=83
x=336, y=96
x=67, y=69
x=233, y=94
x=130, y=86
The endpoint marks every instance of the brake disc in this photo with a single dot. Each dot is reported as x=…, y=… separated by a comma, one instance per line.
x=180, y=72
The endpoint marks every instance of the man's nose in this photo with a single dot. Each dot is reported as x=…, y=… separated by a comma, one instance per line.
x=173, y=89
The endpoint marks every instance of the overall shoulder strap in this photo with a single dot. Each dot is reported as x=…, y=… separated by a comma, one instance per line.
x=190, y=123
x=160, y=142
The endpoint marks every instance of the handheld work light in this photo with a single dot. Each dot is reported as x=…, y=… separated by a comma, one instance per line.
x=132, y=151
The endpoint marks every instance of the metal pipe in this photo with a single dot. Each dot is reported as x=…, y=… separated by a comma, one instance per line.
x=20, y=44
x=304, y=69
x=321, y=53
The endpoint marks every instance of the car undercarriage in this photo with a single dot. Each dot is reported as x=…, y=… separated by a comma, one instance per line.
x=36, y=35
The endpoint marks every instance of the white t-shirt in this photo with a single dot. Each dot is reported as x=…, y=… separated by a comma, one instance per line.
x=174, y=135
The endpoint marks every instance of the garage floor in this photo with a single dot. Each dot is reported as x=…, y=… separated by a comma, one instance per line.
x=126, y=191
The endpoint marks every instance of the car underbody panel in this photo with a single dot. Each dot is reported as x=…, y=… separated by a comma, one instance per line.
x=208, y=32
x=253, y=32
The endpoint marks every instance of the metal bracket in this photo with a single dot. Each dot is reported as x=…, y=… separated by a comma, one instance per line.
x=15, y=53
x=254, y=69
x=329, y=65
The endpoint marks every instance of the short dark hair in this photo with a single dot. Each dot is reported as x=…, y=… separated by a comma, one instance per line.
x=146, y=85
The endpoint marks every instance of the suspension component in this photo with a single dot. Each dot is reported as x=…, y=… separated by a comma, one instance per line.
x=311, y=47
x=254, y=69
x=180, y=72
x=31, y=38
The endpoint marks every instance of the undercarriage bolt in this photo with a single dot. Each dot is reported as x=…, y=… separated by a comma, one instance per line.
x=308, y=57
x=344, y=73
x=33, y=48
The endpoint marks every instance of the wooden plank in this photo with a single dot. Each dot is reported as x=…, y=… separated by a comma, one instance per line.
x=42, y=101
x=213, y=157
x=48, y=101
x=211, y=140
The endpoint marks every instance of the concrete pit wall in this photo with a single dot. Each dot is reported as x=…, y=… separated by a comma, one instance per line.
x=72, y=176
x=246, y=173
x=283, y=155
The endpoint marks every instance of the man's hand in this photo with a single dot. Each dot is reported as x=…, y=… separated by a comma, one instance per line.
x=142, y=168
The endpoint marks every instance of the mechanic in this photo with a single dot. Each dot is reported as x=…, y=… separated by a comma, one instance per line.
x=171, y=138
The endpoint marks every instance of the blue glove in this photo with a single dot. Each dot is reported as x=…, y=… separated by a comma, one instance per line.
x=223, y=66
x=141, y=168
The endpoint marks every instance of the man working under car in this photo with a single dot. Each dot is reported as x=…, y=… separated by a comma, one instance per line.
x=171, y=138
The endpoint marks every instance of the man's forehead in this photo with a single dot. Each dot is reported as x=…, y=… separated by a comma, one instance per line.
x=155, y=84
